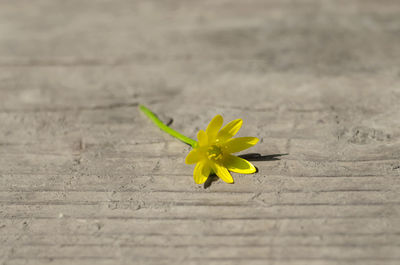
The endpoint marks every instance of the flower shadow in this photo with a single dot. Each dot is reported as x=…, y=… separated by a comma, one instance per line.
x=259, y=157
x=249, y=157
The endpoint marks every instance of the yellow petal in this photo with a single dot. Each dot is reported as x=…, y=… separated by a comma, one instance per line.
x=201, y=172
x=193, y=157
x=202, y=137
x=229, y=130
x=213, y=127
x=234, y=145
x=238, y=165
x=222, y=173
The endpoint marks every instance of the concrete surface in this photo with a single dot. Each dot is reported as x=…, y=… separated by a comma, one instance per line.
x=87, y=179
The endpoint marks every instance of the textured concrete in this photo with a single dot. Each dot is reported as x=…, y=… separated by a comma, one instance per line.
x=87, y=179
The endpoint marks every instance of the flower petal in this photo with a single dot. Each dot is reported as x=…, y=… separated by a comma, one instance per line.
x=238, y=165
x=238, y=144
x=201, y=172
x=230, y=130
x=213, y=127
x=202, y=137
x=222, y=172
x=193, y=157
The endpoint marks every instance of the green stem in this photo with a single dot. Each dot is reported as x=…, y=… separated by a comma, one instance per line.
x=165, y=128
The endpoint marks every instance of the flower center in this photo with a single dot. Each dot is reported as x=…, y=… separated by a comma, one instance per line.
x=214, y=152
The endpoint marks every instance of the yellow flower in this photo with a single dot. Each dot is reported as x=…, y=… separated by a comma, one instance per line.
x=214, y=148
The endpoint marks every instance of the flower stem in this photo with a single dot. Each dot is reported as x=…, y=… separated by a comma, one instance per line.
x=165, y=128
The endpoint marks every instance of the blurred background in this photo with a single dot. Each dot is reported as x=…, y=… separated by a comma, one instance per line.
x=54, y=53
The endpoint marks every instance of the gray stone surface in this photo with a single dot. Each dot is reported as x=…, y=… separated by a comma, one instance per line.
x=87, y=179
